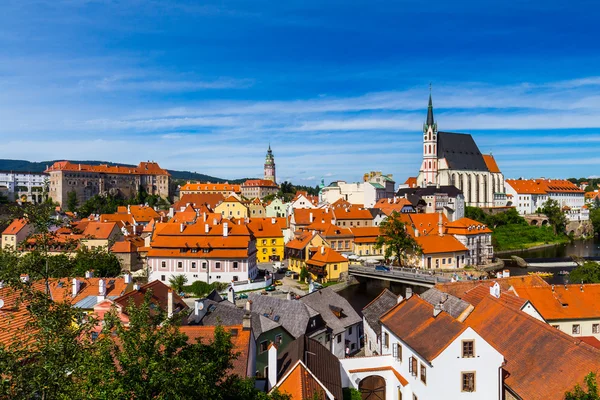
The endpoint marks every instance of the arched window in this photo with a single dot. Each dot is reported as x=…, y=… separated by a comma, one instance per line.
x=429, y=149
x=429, y=164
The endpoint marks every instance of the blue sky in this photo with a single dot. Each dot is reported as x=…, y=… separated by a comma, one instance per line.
x=338, y=88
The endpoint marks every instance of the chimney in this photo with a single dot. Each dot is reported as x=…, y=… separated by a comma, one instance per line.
x=416, y=231
x=437, y=309
x=170, y=301
x=289, y=296
x=128, y=209
x=24, y=278
x=231, y=294
x=310, y=217
x=322, y=249
x=440, y=225
x=581, y=287
x=206, y=228
x=272, y=366
x=214, y=221
x=247, y=321
x=136, y=286
x=408, y=293
x=181, y=227
x=89, y=274
x=1, y=284
x=101, y=290
x=127, y=278
x=248, y=305
x=273, y=220
x=75, y=287
x=399, y=299
x=199, y=310
x=225, y=228
x=204, y=216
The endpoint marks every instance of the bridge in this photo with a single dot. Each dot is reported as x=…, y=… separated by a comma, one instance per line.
x=407, y=276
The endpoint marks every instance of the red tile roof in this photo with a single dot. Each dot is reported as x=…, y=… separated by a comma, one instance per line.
x=144, y=168
x=325, y=255
x=541, y=361
x=300, y=384
x=563, y=302
x=440, y=244
x=15, y=226
x=267, y=227
x=466, y=226
x=100, y=230
x=459, y=289
x=490, y=163
x=543, y=186
x=259, y=183
x=210, y=187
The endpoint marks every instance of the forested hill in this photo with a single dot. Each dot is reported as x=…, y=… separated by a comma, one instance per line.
x=28, y=166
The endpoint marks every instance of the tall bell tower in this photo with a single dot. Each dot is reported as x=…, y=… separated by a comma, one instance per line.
x=429, y=168
x=270, y=166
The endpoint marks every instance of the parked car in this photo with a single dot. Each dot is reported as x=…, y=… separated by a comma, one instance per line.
x=317, y=285
x=270, y=288
x=382, y=268
x=278, y=283
x=242, y=296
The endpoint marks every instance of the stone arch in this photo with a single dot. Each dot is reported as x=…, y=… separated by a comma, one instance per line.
x=545, y=222
x=534, y=222
x=372, y=388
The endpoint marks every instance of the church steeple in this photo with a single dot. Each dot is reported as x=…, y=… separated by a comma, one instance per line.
x=430, y=109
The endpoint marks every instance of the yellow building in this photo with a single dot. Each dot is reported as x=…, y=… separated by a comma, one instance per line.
x=300, y=250
x=326, y=265
x=232, y=208
x=15, y=233
x=365, y=240
x=268, y=232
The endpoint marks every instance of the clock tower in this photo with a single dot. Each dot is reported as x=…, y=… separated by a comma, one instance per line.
x=270, y=166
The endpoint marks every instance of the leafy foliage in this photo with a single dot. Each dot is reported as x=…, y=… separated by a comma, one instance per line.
x=201, y=289
x=351, y=394
x=396, y=240
x=579, y=393
x=556, y=217
x=177, y=282
x=303, y=274
x=595, y=219
x=72, y=201
x=588, y=272
x=513, y=237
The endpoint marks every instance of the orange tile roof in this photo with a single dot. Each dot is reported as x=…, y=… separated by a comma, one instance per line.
x=411, y=181
x=199, y=199
x=541, y=361
x=440, y=244
x=302, y=215
x=400, y=378
x=412, y=321
x=591, y=340
x=351, y=213
x=143, y=213
x=240, y=341
x=326, y=255
x=126, y=218
x=15, y=226
x=159, y=296
x=490, y=163
x=129, y=245
x=461, y=227
x=265, y=228
x=563, y=302
x=543, y=186
x=210, y=187
x=458, y=289
x=100, y=230
x=390, y=205
x=144, y=168
x=300, y=242
x=300, y=384
x=61, y=289
x=478, y=293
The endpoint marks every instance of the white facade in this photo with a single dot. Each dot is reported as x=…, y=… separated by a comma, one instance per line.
x=443, y=375
x=23, y=184
x=362, y=193
x=200, y=269
x=526, y=203
x=480, y=247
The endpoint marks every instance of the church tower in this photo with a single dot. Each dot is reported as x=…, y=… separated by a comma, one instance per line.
x=429, y=168
x=270, y=166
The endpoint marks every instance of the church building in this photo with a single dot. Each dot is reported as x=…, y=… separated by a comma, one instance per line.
x=454, y=159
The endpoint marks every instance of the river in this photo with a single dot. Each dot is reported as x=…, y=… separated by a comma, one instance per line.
x=360, y=295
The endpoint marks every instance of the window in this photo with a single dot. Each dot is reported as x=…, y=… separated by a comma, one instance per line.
x=339, y=338
x=468, y=381
x=386, y=339
x=204, y=265
x=576, y=329
x=235, y=265
x=264, y=346
x=350, y=331
x=162, y=278
x=273, y=242
x=468, y=349
x=397, y=351
x=179, y=264
x=163, y=264
x=278, y=339
x=264, y=242
x=218, y=265
x=335, y=267
x=412, y=366
x=423, y=374
x=193, y=265
x=595, y=328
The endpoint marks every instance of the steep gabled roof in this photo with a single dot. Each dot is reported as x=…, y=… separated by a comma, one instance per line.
x=491, y=163
x=460, y=151
x=15, y=226
x=451, y=304
x=301, y=384
x=412, y=321
x=376, y=308
x=293, y=315
x=322, y=300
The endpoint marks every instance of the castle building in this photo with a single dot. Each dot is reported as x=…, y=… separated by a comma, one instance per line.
x=270, y=166
x=454, y=159
x=87, y=181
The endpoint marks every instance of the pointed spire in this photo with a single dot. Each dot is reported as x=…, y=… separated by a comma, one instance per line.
x=430, y=109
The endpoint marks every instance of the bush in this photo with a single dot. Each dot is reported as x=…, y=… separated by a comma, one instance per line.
x=201, y=289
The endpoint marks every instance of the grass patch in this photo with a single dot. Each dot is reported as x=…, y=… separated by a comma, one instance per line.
x=516, y=237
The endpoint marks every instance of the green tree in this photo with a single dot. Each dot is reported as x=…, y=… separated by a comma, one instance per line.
x=177, y=282
x=556, y=217
x=103, y=262
x=595, y=219
x=396, y=240
x=72, y=201
x=580, y=393
x=303, y=274
x=475, y=213
x=588, y=272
